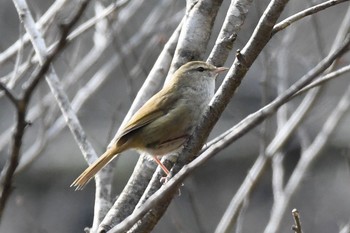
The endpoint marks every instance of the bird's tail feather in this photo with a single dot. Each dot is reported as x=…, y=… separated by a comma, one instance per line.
x=92, y=170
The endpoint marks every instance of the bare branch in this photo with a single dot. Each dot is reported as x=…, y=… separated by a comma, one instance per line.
x=307, y=157
x=252, y=121
x=171, y=186
x=324, y=79
x=52, y=79
x=297, y=227
x=80, y=69
x=277, y=175
x=144, y=168
x=9, y=94
x=49, y=14
x=345, y=228
x=39, y=44
x=12, y=162
x=296, y=118
x=110, y=46
x=200, y=16
x=292, y=124
x=197, y=26
x=309, y=11
x=257, y=43
x=34, y=34
x=234, y=20
x=112, y=8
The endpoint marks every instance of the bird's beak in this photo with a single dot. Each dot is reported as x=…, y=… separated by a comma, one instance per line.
x=219, y=70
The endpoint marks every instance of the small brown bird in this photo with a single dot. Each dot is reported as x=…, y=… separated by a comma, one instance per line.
x=164, y=123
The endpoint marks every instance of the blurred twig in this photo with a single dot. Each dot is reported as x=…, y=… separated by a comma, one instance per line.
x=310, y=154
x=291, y=125
x=22, y=103
x=12, y=78
x=256, y=118
x=49, y=14
x=345, y=228
x=54, y=83
x=297, y=227
x=283, y=112
x=312, y=10
x=325, y=78
x=79, y=70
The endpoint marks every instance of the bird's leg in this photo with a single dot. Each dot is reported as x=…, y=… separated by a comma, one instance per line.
x=164, y=179
x=166, y=171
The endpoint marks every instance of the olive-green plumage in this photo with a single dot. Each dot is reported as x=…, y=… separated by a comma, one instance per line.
x=165, y=121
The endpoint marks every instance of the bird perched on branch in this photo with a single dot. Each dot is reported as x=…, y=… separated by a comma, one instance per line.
x=165, y=122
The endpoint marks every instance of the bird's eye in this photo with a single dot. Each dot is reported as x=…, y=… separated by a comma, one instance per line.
x=200, y=69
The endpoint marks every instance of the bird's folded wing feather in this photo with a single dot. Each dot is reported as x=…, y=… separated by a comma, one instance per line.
x=157, y=106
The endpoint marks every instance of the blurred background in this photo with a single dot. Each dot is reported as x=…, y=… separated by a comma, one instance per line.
x=122, y=49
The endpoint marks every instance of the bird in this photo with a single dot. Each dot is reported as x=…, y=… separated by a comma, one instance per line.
x=165, y=122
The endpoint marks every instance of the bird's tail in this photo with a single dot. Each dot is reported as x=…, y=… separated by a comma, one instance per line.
x=91, y=171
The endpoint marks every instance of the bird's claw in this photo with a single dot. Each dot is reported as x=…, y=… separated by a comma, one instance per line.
x=164, y=180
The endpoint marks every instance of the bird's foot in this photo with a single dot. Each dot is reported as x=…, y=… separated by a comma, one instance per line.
x=164, y=179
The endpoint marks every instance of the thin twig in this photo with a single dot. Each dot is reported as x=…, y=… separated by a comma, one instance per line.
x=9, y=94
x=49, y=14
x=307, y=157
x=65, y=29
x=282, y=114
x=297, y=227
x=324, y=79
x=12, y=162
x=345, y=228
x=252, y=121
x=280, y=203
x=309, y=11
x=320, y=81
x=35, y=111
x=19, y=56
x=52, y=79
x=92, y=22
x=78, y=101
x=307, y=102
x=112, y=8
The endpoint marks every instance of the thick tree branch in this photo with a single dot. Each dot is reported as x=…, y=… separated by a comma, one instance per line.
x=232, y=25
x=171, y=186
x=117, y=56
x=144, y=168
x=193, y=40
x=255, y=45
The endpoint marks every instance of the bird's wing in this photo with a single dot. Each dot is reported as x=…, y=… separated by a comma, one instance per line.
x=157, y=106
